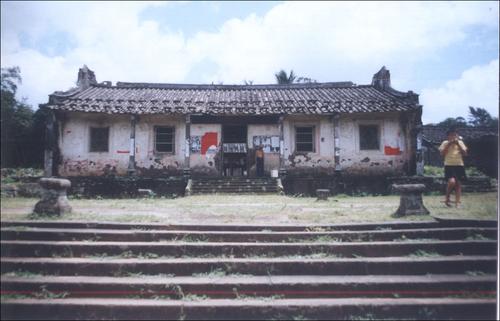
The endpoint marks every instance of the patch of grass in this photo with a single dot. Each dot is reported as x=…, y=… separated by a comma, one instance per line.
x=216, y=273
x=248, y=209
x=22, y=273
x=423, y=253
x=474, y=273
x=477, y=237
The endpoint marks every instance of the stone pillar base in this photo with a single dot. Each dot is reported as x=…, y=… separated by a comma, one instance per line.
x=411, y=202
x=322, y=194
x=54, y=198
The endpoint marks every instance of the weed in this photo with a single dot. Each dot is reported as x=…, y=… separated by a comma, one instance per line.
x=423, y=253
x=46, y=294
x=212, y=274
x=476, y=237
x=475, y=273
x=21, y=273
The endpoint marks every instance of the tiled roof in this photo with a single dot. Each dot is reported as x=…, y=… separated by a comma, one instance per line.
x=436, y=134
x=314, y=98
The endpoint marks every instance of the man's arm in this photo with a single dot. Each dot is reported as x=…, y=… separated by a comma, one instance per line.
x=443, y=149
x=462, y=148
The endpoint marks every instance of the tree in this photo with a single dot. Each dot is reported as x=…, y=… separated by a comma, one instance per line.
x=282, y=78
x=16, y=122
x=453, y=122
x=481, y=117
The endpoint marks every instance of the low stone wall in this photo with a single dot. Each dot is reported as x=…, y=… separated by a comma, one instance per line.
x=438, y=183
x=122, y=186
x=306, y=185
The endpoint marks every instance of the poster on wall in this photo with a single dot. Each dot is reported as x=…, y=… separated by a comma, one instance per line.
x=270, y=144
x=195, y=144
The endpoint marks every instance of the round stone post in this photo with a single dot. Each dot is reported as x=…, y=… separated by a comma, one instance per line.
x=411, y=199
x=322, y=194
x=54, y=198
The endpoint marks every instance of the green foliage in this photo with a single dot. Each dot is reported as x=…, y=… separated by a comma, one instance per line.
x=481, y=117
x=439, y=171
x=282, y=78
x=453, y=122
x=22, y=130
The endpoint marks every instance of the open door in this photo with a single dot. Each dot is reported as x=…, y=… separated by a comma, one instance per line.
x=234, y=150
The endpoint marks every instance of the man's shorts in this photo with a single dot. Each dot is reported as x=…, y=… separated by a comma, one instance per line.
x=455, y=171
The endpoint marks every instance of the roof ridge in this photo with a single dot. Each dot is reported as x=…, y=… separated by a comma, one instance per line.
x=343, y=84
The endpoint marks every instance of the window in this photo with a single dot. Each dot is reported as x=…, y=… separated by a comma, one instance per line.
x=304, y=139
x=99, y=139
x=164, y=139
x=369, y=138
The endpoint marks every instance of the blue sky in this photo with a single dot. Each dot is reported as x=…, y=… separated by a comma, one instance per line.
x=445, y=51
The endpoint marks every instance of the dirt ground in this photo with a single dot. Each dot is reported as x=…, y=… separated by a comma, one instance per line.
x=255, y=209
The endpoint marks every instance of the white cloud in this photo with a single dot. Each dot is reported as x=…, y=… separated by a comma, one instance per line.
x=327, y=41
x=477, y=87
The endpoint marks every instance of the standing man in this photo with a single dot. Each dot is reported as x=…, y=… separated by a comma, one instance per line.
x=453, y=150
x=259, y=160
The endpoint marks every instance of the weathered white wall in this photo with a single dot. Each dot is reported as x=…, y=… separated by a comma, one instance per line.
x=146, y=158
x=74, y=142
x=367, y=162
x=323, y=155
x=204, y=163
x=271, y=160
x=352, y=159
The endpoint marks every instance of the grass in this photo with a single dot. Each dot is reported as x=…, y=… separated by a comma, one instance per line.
x=422, y=253
x=253, y=209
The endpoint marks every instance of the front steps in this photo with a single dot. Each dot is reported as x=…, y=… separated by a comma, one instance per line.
x=403, y=270
x=234, y=185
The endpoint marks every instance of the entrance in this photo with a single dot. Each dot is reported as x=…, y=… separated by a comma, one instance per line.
x=234, y=150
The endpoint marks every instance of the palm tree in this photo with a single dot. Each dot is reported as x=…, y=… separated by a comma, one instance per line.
x=282, y=78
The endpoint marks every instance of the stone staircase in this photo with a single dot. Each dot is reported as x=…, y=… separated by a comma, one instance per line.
x=402, y=270
x=234, y=185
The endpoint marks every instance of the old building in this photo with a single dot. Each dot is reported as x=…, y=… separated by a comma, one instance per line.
x=159, y=130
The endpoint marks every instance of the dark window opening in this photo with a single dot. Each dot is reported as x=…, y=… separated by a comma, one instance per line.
x=99, y=139
x=369, y=137
x=165, y=139
x=304, y=139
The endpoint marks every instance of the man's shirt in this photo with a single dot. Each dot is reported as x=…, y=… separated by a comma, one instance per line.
x=453, y=157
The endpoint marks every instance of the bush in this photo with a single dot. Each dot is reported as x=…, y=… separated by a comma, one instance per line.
x=439, y=171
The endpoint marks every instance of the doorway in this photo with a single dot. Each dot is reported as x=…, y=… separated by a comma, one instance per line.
x=234, y=150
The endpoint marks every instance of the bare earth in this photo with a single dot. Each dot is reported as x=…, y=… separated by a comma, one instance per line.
x=256, y=209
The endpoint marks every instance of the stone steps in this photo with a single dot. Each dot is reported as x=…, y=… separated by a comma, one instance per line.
x=90, y=270
x=249, y=309
x=294, y=286
x=243, y=249
x=393, y=225
x=62, y=234
x=254, y=266
x=234, y=185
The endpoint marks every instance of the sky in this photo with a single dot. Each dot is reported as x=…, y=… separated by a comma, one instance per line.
x=447, y=52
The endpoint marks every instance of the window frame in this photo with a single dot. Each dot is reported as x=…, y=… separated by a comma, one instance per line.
x=90, y=146
x=379, y=136
x=172, y=152
x=313, y=138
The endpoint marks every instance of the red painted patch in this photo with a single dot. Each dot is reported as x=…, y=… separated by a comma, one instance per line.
x=208, y=140
x=123, y=151
x=388, y=150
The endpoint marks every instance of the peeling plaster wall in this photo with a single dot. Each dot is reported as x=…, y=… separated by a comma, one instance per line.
x=74, y=142
x=271, y=160
x=353, y=161
x=371, y=162
x=323, y=155
x=77, y=160
x=204, y=164
x=149, y=162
